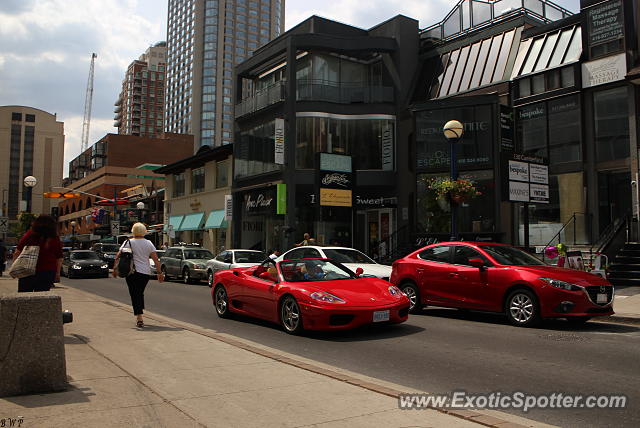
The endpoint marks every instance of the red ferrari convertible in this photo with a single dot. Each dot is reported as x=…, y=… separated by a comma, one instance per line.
x=314, y=294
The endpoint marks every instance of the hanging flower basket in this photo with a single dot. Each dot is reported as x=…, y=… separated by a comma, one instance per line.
x=456, y=191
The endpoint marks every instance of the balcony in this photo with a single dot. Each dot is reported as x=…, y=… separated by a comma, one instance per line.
x=342, y=93
x=264, y=98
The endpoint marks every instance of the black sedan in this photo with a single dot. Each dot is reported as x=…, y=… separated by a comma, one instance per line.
x=84, y=263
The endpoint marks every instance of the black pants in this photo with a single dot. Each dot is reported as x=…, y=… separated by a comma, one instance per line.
x=41, y=281
x=137, y=282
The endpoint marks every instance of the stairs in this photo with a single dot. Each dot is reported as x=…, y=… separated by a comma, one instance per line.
x=624, y=270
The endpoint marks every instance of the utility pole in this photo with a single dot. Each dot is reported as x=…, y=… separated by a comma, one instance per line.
x=88, y=100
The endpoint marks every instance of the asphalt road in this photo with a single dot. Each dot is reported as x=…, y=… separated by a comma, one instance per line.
x=443, y=351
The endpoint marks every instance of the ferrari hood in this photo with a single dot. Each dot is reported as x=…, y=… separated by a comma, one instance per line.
x=358, y=292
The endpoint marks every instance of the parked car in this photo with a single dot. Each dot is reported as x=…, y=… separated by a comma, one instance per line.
x=314, y=294
x=107, y=252
x=230, y=259
x=77, y=263
x=349, y=257
x=186, y=262
x=152, y=264
x=500, y=278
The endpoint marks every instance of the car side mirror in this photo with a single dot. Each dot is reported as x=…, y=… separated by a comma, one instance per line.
x=359, y=271
x=477, y=263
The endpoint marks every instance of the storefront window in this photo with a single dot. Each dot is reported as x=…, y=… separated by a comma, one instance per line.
x=532, y=129
x=473, y=151
x=476, y=215
x=255, y=151
x=611, y=121
x=564, y=130
x=370, y=141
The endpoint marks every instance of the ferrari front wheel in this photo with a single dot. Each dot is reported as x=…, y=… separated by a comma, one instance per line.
x=221, y=302
x=290, y=315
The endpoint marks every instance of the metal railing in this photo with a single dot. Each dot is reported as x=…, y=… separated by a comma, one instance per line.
x=342, y=93
x=265, y=97
x=578, y=230
x=613, y=238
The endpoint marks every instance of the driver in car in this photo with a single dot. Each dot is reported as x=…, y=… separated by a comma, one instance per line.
x=312, y=272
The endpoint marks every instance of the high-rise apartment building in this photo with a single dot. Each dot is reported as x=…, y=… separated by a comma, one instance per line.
x=31, y=143
x=140, y=106
x=205, y=40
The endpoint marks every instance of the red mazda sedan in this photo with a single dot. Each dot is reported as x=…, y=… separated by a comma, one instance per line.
x=315, y=294
x=499, y=278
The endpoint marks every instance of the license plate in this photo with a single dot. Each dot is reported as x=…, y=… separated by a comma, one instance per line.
x=380, y=316
x=601, y=298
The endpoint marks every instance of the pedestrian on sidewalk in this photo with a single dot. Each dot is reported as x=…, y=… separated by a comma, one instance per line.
x=43, y=233
x=307, y=240
x=3, y=256
x=142, y=250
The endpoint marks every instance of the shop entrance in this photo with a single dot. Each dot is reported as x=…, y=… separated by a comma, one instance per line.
x=377, y=226
x=614, y=196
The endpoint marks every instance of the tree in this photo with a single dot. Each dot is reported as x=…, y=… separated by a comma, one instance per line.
x=24, y=223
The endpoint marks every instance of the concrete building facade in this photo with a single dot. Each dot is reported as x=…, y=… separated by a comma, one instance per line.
x=205, y=40
x=139, y=108
x=31, y=143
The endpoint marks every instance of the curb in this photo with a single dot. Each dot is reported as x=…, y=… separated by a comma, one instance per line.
x=618, y=319
x=468, y=415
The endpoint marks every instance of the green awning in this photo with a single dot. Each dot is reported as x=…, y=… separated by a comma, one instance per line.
x=175, y=221
x=192, y=222
x=216, y=220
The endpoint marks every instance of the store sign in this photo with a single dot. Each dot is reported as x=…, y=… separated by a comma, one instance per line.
x=281, y=198
x=279, y=142
x=506, y=128
x=335, y=197
x=228, y=207
x=605, y=22
x=604, y=70
x=260, y=202
x=525, y=178
x=333, y=162
x=387, y=148
x=336, y=180
x=364, y=202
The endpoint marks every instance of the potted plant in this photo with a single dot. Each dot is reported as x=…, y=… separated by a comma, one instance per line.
x=458, y=191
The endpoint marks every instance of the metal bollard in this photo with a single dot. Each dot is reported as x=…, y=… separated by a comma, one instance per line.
x=67, y=317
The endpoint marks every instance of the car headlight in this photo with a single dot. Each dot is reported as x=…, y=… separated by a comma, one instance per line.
x=395, y=291
x=76, y=267
x=563, y=285
x=325, y=297
x=199, y=266
x=105, y=266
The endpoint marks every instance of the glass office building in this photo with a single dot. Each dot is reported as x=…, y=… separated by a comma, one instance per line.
x=205, y=39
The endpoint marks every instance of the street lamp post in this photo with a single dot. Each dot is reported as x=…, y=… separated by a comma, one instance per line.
x=453, y=131
x=73, y=233
x=29, y=182
x=140, y=207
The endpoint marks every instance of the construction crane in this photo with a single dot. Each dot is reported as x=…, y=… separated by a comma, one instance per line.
x=88, y=100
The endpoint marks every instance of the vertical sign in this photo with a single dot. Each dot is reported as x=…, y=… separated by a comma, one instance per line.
x=279, y=142
x=281, y=198
x=506, y=128
x=387, y=148
x=228, y=207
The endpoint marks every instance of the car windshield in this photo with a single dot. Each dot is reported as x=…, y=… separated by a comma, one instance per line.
x=346, y=255
x=313, y=270
x=83, y=255
x=111, y=248
x=250, y=256
x=197, y=254
x=506, y=255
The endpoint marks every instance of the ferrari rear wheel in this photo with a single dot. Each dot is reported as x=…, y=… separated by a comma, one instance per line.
x=221, y=302
x=290, y=316
x=412, y=293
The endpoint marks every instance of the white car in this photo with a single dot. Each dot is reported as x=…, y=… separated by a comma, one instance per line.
x=230, y=259
x=152, y=264
x=349, y=257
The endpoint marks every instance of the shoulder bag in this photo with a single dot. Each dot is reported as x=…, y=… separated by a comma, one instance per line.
x=125, y=262
x=25, y=264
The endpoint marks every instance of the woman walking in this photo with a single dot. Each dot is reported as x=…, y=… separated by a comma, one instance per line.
x=142, y=250
x=43, y=233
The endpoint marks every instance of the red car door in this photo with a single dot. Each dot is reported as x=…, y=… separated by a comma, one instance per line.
x=260, y=293
x=469, y=287
x=433, y=270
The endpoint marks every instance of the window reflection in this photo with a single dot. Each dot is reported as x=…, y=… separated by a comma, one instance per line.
x=611, y=121
x=255, y=151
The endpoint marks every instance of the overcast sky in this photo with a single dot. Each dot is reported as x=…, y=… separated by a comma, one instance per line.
x=46, y=46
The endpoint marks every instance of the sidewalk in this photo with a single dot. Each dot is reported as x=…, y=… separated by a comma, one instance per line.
x=172, y=374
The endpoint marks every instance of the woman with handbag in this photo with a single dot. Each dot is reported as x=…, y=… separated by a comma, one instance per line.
x=43, y=234
x=138, y=271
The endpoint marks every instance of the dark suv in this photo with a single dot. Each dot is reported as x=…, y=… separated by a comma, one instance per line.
x=186, y=262
x=106, y=252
